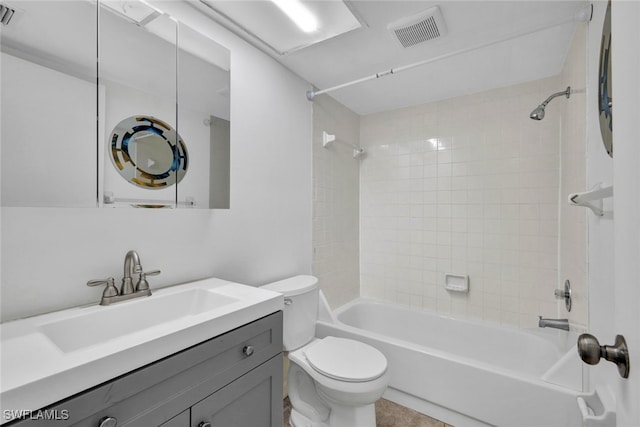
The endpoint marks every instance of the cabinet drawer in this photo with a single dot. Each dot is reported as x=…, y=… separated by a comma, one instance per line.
x=153, y=394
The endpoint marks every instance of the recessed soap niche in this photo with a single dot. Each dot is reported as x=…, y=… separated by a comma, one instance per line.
x=456, y=282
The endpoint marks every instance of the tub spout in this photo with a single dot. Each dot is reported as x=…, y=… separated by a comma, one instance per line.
x=553, y=323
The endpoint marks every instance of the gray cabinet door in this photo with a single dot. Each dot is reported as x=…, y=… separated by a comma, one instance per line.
x=181, y=420
x=253, y=400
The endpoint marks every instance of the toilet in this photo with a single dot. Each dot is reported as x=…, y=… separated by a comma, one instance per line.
x=332, y=382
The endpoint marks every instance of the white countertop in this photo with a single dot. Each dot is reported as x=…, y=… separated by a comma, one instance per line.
x=35, y=372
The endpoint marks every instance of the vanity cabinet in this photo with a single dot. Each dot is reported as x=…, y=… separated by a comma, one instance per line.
x=232, y=380
x=245, y=402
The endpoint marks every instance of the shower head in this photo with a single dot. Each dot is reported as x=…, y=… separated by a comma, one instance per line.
x=538, y=113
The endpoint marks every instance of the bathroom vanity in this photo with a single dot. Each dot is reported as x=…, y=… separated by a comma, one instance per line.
x=231, y=378
x=234, y=379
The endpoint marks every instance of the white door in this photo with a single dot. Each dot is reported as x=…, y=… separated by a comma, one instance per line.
x=621, y=314
x=625, y=23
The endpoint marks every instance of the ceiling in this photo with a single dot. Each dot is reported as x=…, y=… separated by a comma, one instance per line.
x=485, y=47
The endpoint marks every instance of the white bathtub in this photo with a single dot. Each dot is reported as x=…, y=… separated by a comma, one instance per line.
x=468, y=373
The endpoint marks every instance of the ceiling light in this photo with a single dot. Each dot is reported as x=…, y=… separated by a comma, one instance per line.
x=284, y=26
x=299, y=14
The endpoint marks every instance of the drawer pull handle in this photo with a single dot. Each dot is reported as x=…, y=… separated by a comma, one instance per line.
x=248, y=350
x=204, y=424
x=108, y=422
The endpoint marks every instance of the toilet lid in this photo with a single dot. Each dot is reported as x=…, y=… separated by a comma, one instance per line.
x=346, y=360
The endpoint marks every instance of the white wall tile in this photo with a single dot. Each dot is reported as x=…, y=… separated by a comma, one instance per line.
x=572, y=241
x=336, y=255
x=442, y=191
x=489, y=204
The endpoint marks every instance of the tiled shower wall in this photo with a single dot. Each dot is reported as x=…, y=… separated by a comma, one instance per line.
x=335, y=202
x=573, y=239
x=466, y=186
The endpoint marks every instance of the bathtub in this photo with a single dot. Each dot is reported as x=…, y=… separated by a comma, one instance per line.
x=467, y=373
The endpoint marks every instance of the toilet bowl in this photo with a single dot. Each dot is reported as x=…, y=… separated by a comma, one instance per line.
x=332, y=382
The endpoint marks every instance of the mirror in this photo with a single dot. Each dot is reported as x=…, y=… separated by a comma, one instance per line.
x=604, y=84
x=49, y=100
x=164, y=87
x=150, y=65
x=204, y=119
x=138, y=100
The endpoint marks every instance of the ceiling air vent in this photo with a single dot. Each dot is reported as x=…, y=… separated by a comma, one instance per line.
x=6, y=13
x=419, y=28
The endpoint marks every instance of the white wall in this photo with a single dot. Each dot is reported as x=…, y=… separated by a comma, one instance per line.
x=336, y=186
x=49, y=254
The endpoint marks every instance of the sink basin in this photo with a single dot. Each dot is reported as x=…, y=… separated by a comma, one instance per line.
x=112, y=322
x=47, y=358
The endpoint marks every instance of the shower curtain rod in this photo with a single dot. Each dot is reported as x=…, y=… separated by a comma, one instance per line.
x=580, y=16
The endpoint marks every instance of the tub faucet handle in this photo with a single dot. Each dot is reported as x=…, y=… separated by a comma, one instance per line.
x=564, y=294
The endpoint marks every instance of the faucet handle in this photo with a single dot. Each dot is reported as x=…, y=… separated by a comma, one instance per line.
x=564, y=294
x=142, y=284
x=110, y=290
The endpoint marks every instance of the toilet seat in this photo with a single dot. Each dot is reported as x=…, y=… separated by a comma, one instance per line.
x=346, y=360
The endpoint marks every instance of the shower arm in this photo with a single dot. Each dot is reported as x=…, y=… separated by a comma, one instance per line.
x=566, y=92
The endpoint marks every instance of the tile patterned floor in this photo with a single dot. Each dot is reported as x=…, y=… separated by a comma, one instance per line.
x=388, y=414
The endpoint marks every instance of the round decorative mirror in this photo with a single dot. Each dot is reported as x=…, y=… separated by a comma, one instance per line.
x=148, y=152
x=604, y=85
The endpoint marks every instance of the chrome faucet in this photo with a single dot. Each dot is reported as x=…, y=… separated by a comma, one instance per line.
x=132, y=266
x=553, y=323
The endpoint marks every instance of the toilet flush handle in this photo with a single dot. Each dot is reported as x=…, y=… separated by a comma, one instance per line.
x=288, y=301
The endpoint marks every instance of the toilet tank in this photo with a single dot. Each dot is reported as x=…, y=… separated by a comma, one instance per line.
x=300, y=309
